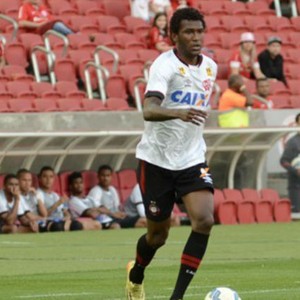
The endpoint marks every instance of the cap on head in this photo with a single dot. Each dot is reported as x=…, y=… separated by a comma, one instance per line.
x=247, y=37
x=274, y=39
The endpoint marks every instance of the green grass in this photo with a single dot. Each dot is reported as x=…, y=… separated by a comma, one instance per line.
x=262, y=262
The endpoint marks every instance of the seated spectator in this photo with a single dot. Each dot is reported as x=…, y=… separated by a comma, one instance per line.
x=263, y=94
x=107, y=198
x=2, y=58
x=177, y=4
x=140, y=9
x=160, y=6
x=236, y=96
x=134, y=207
x=83, y=207
x=59, y=218
x=158, y=36
x=14, y=213
x=35, y=17
x=271, y=61
x=244, y=60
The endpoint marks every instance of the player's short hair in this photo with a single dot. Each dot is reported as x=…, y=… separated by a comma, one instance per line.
x=297, y=119
x=262, y=79
x=44, y=169
x=22, y=171
x=73, y=176
x=9, y=177
x=187, y=13
x=104, y=168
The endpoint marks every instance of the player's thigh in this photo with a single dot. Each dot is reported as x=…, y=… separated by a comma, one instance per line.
x=157, y=188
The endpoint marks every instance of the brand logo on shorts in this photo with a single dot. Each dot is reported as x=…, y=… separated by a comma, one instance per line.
x=205, y=175
x=154, y=209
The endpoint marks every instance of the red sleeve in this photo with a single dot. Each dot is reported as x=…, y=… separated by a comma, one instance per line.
x=23, y=13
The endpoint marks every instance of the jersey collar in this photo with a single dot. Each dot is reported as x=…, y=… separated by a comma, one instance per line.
x=200, y=59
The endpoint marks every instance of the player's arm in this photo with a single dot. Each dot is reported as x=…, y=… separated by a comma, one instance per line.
x=154, y=112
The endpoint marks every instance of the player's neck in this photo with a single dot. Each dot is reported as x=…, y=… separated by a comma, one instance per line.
x=188, y=60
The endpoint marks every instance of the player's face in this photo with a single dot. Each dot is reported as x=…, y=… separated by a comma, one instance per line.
x=263, y=88
x=11, y=186
x=105, y=177
x=189, y=39
x=47, y=179
x=25, y=182
x=77, y=186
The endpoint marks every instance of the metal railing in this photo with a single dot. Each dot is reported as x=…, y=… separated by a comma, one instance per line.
x=113, y=53
x=59, y=35
x=14, y=24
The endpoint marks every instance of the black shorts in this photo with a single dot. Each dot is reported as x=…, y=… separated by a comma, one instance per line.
x=161, y=188
x=127, y=222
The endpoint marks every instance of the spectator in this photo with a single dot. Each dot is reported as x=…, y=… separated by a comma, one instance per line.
x=140, y=9
x=271, y=61
x=134, y=207
x=83, y=207
x=160, y=6
x=14, y=214
x=34, y=16
x=244, y=60
x=291, y=152
x=2, y=57
x=57, y=207
x=177, y=4
x=158, y=35
x=262, y=93
x=107, y=198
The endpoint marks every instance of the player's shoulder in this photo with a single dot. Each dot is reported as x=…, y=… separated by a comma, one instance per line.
x=209, y=61
x=164, y=58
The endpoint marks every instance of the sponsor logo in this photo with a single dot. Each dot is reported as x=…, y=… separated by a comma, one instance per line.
x=205, y=175
x=190, y=98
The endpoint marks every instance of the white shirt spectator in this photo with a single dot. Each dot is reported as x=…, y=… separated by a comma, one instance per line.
x=134, y=206
x=6, y=206
x=140, y=9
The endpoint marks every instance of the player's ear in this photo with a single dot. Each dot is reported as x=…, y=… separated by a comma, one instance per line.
x=173, y=37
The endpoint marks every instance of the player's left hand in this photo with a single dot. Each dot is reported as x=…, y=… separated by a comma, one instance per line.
x=195, y=116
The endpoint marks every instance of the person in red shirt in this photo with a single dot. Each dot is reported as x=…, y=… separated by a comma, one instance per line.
x=2, y=59
x=177, y=4
x=158, y=35
x=244, y=60
x=262, y=93
x=35, y=17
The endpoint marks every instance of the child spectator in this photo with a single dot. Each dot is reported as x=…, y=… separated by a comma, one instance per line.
x=14, y=214
x=158, y=36
x=107, y=198
x=244, y=60
x=34, y=16
x=57, y=207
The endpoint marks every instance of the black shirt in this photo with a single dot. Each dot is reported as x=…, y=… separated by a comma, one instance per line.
x=272, y=67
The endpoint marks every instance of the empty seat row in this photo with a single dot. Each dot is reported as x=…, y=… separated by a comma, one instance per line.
x=248, y=206
x=39, y=105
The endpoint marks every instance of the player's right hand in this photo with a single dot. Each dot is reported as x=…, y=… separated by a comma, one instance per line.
x=195, y=116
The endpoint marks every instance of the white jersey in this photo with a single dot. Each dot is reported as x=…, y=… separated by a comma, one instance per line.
x=175, y=144
x=78, y=205
x=134, y=206
x=110, y=199
x=50, y=199
x=6, y=206
x=140, y=9
x=32, y=202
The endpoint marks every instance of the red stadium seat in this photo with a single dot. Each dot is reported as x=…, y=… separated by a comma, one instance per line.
x=280, y=24
x=93, y=105
x=229, y=40
x=105, y=21
x=45, y=104
x=223, y=55
x=63, y=180
x=30, y=40
x=90, y=179
x=281, y=206
x=281, y=101
x=214, y=25
x=16, y=72
x=15, y=54
x=118, y=8
x=83, y=24
x=295, y=101
x=295, y=21
x=212, y=7
x=133, y=22
x=65, y=87
x=4, y=105
x=127, y=181
x=88, y=8
x=21, y=105
x=263, y=207
x=293, y=56
x=116, y=87
x=234, y=24
x=41, y=87
x=245, y=207
x=147, y=54
x=260, y=8
x=20, y=89
x=61, y=7
x=278, y=88
x=70, y=104
x=236, y=8
x=130, y=70
x=257, y=24
x=65, y=70
x=225, y=209
x=9, y=7
x=117, y=104
x=127, y=56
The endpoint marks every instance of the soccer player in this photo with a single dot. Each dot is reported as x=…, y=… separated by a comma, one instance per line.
x=172, y=150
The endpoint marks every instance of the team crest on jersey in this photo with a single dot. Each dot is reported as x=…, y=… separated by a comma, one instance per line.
x=154, y=209
x=182, y=71
x=207, y=84
x=208, y=71
x=205, y=175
